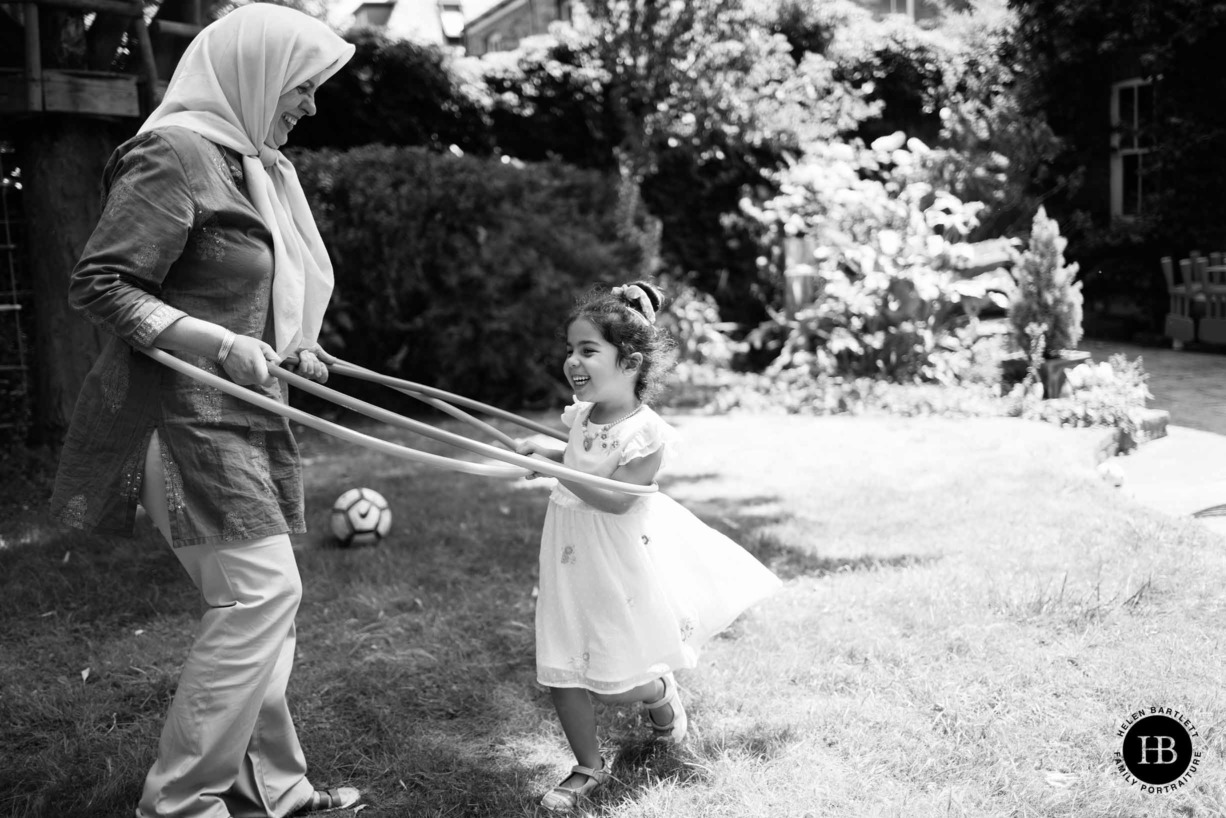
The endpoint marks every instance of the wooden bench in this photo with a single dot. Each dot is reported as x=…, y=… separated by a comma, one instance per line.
x=1209, y=276
x=1179, y=326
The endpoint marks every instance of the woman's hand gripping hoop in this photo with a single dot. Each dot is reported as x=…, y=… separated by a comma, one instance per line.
x=519, y=465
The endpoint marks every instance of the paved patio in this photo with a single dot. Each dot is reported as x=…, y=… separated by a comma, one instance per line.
x=1184, y=472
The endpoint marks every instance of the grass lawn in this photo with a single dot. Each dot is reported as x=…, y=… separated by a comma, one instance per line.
x=969, y=614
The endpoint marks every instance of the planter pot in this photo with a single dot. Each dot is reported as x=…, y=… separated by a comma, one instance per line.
x=1052, y=372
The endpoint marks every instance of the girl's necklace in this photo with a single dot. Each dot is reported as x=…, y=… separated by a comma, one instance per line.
x=587, y=441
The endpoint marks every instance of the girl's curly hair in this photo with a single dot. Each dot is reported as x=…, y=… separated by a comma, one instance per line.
x=628, y=328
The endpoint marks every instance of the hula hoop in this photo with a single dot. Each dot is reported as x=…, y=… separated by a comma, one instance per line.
x=409, y=388
x=494, y=432
x=379, y=413
x=526, y=465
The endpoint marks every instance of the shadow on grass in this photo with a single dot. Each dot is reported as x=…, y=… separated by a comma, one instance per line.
x=760, y=743
x=789, y=562
x=749, y=521
x=416, y=675
x=90, y=580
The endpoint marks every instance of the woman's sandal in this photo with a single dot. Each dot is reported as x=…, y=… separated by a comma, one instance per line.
x=335, y=798
x=565, y=799
x=673, y=732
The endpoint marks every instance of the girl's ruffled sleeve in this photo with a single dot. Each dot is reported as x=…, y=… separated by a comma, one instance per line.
x=650, y=437
x=572, y=413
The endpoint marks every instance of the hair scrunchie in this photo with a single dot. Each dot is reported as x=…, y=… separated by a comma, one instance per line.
x=634, y=295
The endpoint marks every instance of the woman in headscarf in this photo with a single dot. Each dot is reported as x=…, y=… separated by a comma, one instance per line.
x=207, y=249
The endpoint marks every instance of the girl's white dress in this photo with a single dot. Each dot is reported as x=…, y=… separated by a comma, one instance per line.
x=625, y=598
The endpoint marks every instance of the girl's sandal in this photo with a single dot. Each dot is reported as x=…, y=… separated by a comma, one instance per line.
x=565, y=799
x=674, y=732
x=335, y=798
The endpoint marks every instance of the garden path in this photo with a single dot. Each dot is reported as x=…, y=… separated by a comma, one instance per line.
x=1184, y=472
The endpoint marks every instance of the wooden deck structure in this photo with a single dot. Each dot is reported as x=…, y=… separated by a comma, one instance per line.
x=115, y=61
x=76, y=79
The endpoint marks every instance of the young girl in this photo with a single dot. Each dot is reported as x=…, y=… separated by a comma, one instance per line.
x=630, y=586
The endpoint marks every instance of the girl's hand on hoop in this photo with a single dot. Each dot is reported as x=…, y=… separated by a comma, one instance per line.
x=528, y=448
x=247, y=362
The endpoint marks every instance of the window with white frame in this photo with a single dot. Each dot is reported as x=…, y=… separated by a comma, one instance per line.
x=494, y=42
x=566, y=11
x=1132, y=121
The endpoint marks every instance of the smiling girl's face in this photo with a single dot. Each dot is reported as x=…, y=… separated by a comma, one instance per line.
x=592, y=369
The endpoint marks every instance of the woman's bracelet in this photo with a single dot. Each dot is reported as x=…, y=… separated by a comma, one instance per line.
x=227, y=341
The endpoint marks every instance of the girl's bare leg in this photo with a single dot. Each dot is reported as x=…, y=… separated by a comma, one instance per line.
x=651, y=691
x=578, y=717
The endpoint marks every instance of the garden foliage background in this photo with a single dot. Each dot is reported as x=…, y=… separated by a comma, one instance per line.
x=505, y=184
x=708, y=135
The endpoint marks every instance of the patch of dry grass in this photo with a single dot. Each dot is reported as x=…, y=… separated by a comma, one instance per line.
x=968, y=614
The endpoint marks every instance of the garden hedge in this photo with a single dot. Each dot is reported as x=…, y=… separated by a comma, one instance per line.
x=456, y=271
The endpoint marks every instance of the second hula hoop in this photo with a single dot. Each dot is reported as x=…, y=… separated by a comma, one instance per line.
x=513, y=465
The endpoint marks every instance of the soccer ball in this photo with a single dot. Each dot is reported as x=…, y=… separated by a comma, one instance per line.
x=360, y=517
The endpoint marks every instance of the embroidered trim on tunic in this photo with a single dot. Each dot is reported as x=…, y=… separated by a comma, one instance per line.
x=132, y=475
x=257, y=439
x=115, y=379
x=162, y=317
x=208, y=243
x=218, y=158
x=206, y=400
x=226, y=165
x=119, y=193
x=147, y=259
x=73, y=513
x=174, y=483
x=234, y=530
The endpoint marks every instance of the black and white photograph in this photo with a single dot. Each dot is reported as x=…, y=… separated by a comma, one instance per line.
x=612, y=408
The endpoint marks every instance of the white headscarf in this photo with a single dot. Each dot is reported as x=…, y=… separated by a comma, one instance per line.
x=226, y=89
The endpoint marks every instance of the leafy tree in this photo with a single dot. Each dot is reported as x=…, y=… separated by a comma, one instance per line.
x=397, y=92
x=220, y=8
x=992, y=148
x=683, y=172
x=547, y=99
x=668, y=67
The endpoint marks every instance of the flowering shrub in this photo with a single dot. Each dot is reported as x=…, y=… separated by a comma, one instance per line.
x=692, y=318
x=1106, y=394
x=795, y=392
x=887, y=248
x=1103, y=394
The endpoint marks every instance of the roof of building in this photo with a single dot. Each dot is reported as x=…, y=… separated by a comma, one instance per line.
x=491, y=8
x=422, y=20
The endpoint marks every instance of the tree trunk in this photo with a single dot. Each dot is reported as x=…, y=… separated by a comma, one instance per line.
x=63, y=162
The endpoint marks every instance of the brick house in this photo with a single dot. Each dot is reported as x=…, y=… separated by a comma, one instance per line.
x=430, y=21
x=503, y=25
